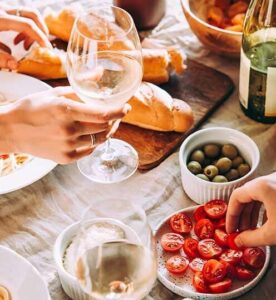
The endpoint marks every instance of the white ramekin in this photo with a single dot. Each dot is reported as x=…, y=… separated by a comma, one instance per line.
x=202, y=191
x=69, y=283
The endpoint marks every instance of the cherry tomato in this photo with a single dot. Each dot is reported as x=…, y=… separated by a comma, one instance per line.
x=204, y=229
x=221, y=287
x=215, y=209
x=220, y=224
x=230, y=269
x=196, y=265
x=220, y=237
x=254, y=257
x=231, y=256
x=190, y=247
x=208, y=248
x=172, y=242
x=181, y=223
x=214, y=271
x=177, y=264
x=231, y=241
x=244, y=274
x=199, y=283
x=199, y=213
x=4, y=156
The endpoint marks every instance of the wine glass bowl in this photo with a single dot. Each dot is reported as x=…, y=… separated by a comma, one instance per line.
x=104, y=66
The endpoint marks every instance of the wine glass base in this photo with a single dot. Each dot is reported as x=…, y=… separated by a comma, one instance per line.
x=119, y=164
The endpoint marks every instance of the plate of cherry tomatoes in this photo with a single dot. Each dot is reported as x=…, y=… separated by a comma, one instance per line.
x=198, y=259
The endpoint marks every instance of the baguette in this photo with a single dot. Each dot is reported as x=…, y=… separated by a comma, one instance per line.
x=153, y=108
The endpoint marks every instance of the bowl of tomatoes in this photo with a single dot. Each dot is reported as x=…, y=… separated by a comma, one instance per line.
x=198, y=259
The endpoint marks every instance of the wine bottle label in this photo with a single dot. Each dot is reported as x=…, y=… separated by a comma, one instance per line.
x=244, y=79
x=270, y=101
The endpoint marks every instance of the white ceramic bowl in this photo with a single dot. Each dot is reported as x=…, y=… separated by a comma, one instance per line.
x=202, y=191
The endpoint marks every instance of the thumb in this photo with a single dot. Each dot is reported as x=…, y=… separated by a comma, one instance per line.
x=252, y=238
x=7, y=61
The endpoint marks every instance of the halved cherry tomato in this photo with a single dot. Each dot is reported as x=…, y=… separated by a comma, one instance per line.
x=177, y=264
x=204, y=229
x=230, y=269
x=181, y=223
x=231, y=241
x=190, y=247
x=231, y=256
x=244, y=274
x=199, y=283
x=199, y=213
x=208, y=248
x=196, y=265
x=220, y=237
x=254, y=257
x=214, y=271
x=215, y=209
x=220, y=224
x=221, y=287
x=4, y=156
x=172, y=242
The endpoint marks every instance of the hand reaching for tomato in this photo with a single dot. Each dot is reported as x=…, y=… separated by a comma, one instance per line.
x=243, y=212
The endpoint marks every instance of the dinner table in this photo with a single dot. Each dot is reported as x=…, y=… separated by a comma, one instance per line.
x=31, y=218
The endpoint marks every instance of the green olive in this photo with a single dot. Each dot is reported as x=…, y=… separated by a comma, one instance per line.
x=243, y=169
x=229, y=151
x=194, y=167
x=211, y=171
x=224, y=164
x=237, y=161
x=202, y=176
x=211, y=150
x=233, y=174
x=198, y=155
x=220, y=178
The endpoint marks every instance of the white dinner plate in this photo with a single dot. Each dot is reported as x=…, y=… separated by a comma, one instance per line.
x=182, y=285
x=14, y=86
x=20, y=277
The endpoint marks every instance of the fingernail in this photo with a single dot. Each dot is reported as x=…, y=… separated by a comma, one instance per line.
x=12, y=64
x=238, y=242
x=127, y=109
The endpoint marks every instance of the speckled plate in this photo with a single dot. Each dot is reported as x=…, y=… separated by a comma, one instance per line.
x=182, y=285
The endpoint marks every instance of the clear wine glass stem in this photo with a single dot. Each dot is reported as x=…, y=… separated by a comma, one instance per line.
x=109, y=154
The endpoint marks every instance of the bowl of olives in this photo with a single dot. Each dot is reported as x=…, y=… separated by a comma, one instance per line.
x=215, y=161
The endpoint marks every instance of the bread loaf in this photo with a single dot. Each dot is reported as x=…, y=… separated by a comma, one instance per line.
x=153, y=108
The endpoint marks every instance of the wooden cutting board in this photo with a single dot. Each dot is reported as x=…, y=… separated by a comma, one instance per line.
x=204, y=88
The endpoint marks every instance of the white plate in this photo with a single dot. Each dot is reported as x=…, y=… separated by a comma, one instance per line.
x=15, y=86
x=21, y=279
x=182, y=285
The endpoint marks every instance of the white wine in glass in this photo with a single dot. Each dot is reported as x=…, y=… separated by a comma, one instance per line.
x=104, y=66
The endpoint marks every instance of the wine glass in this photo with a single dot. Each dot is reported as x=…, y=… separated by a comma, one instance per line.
x=104, y=67
x=116, y=257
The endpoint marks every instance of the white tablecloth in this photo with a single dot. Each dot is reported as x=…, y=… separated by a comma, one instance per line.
x=32, y=218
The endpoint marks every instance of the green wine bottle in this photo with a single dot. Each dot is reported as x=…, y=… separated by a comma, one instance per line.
x=258, y=62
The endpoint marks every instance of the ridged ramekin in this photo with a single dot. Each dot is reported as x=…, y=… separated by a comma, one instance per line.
x=202, y=191
x=69, y=283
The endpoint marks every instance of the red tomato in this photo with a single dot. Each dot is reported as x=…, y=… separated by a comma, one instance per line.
x=181, y=223
x=190, y=247
x=231, y=241
x=244, y=274
x=208, y=248
x=223, y=4
x=230, y=269
x=215, y=209
x=214, y=271
x=4, y=156
x=204, y=229
x=220, y=224
x=221, y=287
x=172, y=242
x=177, y=264
x=199, y=283
x=231, y=256
x=220, y=237
x=196, y=265
x=199, y=213
x=254, y=257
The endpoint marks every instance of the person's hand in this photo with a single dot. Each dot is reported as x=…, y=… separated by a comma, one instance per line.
x=30, y=27
x=51, y=126
x=243, y=212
